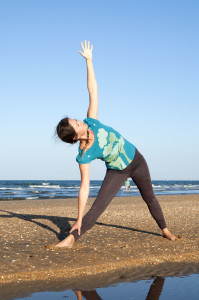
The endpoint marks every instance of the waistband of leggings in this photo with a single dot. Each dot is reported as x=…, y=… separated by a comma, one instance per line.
x=137, y=157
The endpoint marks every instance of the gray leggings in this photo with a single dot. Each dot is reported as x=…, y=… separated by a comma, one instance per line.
x=114, y=179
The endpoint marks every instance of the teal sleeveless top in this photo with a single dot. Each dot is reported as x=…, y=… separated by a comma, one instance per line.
x=108, y=146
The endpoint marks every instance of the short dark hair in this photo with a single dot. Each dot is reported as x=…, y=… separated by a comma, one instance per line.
x=66, y=132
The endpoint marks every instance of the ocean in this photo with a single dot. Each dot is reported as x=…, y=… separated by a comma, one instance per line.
x=59, y=189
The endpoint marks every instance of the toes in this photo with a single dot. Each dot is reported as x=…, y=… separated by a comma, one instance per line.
x=56, y=247
x=172, y=238
x=50, y=246
x=176, y=237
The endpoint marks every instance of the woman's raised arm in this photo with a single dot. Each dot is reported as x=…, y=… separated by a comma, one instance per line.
x=91, y=81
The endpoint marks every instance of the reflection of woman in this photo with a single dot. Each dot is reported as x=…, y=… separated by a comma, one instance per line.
x=156, y=289
x=153, y=294
x=88, y=295
x=121, y=157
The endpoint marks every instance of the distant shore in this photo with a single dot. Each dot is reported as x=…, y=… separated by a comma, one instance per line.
x=124, y=243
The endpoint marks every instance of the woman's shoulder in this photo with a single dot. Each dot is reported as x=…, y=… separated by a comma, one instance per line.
x=88, y=119
x=85, y=159
x=91, y=121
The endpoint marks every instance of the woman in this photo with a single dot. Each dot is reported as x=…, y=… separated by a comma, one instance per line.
x=127, y=185
x=121, y=157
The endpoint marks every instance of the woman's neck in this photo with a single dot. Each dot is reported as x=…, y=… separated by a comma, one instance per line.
x=84, y=137
x=87, y=139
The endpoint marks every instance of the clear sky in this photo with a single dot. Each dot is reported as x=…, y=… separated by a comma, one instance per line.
x=146, y=61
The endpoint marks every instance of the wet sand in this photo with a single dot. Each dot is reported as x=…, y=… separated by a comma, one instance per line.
x=124, y=244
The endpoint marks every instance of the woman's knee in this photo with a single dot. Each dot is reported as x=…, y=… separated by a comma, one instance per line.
x=149, y=197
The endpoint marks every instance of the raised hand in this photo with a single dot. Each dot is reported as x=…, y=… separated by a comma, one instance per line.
x=87, y=50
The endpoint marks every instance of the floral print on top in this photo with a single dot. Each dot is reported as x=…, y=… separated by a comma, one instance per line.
x=108, y=146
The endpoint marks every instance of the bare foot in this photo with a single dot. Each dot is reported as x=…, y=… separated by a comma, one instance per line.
x=67, y=242
x=167, y=234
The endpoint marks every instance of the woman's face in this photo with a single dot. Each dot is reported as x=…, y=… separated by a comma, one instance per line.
x=79, y=127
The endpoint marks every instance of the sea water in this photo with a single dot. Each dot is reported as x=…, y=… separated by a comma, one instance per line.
x=60, y=189
x=169, y=288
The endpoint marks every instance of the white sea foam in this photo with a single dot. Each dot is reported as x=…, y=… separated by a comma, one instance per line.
x=47, y=187
x=191, y=186
x=95, y=187
x=31, y=198
x=156, y=186
x=71, y=187
x=77, y=187
x=4, y=188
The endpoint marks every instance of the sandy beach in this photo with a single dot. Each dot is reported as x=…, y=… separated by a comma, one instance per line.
x=124, y=244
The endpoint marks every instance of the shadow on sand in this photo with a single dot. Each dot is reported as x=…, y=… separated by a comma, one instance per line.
x=62, y=223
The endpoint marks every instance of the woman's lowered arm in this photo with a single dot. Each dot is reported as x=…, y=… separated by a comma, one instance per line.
x=83, y=196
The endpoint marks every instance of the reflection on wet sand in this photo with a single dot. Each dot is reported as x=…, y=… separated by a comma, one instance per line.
x=88, y=295
x=155, y=289
x=153, y=294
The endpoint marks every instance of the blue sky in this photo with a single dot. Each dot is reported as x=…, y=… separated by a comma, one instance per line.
x=146, y=62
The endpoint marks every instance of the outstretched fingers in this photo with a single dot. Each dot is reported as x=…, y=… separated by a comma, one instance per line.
x=86, y=46
x=82, y=46
x=87, y=50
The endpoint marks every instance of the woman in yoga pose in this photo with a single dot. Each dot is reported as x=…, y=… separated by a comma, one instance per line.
x=121, y=157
